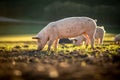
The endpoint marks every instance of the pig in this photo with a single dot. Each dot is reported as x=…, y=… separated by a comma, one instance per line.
x=66, y=28
x=99, y=35
x=117, y=39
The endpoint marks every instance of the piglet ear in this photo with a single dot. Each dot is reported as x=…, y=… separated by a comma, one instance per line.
x=35, y=37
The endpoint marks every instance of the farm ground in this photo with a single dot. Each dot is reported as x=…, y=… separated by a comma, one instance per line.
x=19, y=60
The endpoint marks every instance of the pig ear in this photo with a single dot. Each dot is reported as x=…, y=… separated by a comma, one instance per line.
x=35, y=37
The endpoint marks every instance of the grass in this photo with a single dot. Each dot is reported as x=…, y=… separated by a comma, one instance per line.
x=19, y=28
x=17, y=38
x=12, y=41
x=19, y=59
x=28, y=37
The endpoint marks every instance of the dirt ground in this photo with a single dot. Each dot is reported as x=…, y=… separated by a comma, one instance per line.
x=73, y=65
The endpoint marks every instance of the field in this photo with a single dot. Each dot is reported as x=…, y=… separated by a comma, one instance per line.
x=19, y=59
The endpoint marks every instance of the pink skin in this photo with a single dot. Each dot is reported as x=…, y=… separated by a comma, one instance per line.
x=66, y=28
x=99, y=35
x=117, y=39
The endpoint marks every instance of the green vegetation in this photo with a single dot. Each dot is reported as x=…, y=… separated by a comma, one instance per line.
x=28, y=37
x=19, y=28
x=56, y=9
x=19, y=60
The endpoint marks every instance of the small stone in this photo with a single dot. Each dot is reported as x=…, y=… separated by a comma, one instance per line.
x=17, y=72
x=83, y=64
x=64, y=65
x=53, y=73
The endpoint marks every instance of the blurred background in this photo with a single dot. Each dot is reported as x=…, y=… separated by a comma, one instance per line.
x=30, y=16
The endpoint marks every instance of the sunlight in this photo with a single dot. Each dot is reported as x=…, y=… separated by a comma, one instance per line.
x=17, y=38
x=28, y=37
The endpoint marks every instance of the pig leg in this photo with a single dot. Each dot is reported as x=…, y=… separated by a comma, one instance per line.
x=87, y=41
x=50, y=44
x=101, y=41
x=97, y=41
x=56, y=44
x=91, y=37
x=51, y=40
